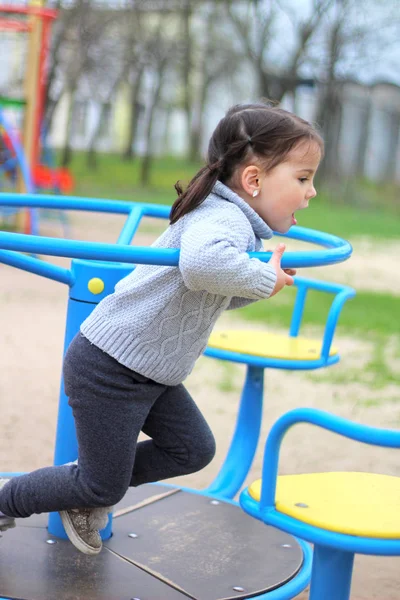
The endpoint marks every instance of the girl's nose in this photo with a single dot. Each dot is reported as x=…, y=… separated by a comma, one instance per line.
x=312, y=193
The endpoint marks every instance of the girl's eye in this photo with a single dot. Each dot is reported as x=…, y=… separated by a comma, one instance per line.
x=303, y=179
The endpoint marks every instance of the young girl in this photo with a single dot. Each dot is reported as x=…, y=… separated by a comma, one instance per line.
x=123, y=372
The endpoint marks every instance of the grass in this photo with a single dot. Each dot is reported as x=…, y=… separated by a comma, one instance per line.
x=354, y=209
x=369, y=313
x=379, y=371
x=119, y=179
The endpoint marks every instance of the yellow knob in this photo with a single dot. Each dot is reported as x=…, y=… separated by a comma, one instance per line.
x=96, y=285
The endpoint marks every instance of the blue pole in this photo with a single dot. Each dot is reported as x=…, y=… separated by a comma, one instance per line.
x=331, y=574
x=81, y=303
x=245, y=438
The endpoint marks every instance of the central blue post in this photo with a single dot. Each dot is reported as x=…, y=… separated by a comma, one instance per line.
x=92, y=281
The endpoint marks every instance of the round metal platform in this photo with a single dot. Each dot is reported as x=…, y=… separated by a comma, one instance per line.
x=167, y=544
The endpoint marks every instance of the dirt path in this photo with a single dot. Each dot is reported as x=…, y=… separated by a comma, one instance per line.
x=32, y=322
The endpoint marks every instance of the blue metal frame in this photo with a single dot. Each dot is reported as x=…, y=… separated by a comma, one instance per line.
x=333, y=552
x=246, y=435
x=231, y=477
x=337, y=250
x=110, y=262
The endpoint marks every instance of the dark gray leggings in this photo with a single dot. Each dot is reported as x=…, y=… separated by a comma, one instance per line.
x=111, y=405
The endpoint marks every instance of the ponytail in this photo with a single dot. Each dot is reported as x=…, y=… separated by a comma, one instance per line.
x=197, y=191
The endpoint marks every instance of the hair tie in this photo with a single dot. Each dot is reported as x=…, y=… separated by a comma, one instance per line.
x=249, y=140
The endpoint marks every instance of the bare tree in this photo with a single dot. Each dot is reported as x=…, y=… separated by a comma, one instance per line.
x=216, y=60
x=64, y=23
x=163, y=53
x=137, y=58
x=349, y=45
x=81, y=54
x=258, y=30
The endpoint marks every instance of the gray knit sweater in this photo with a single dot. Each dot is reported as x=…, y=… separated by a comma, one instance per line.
x=158, y=320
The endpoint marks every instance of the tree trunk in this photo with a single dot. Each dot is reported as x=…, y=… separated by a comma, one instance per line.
x=363, y=140
x=330, y=116
x=129, y=153
x=91, y=156
x=66, y=155
x=389, y=171
x=148, y=155
x=196, y=133
x=187, y=66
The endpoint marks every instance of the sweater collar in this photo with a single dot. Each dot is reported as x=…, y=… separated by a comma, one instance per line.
x=260, y=228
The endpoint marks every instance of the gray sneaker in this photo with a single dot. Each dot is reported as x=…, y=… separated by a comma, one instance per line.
x=79, y=531
x=5, y=521
x=82, y=526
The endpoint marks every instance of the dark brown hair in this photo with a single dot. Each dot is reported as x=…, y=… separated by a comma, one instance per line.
x=248, y=132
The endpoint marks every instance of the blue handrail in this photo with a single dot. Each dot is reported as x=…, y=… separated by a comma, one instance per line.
x=343, y=293
x=389, y=438
x=337, y=249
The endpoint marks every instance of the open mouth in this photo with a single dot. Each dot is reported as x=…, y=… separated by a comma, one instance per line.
x=294, y=220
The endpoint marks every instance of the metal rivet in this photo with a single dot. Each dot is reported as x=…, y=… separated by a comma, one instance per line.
x=238, y=588
x=214, y=502
x=135, y=598
x=286, y=546
x=301, y=505
x=132, y=535
x=51, y=542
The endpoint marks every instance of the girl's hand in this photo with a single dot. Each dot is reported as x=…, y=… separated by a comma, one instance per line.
x=283, y=276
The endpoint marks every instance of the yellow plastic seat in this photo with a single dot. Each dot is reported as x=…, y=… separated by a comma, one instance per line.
x=359, y=504
x=268, y=345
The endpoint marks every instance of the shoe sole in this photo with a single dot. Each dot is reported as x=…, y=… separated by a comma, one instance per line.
x=74, y=538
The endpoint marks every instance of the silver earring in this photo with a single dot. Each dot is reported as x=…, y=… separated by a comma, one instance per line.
x=255, y=193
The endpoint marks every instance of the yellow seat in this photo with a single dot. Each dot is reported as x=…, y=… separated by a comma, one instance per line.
x=359, y=504
x=268, y=345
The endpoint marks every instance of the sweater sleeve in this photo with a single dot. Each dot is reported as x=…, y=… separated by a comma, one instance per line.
x=213, y=257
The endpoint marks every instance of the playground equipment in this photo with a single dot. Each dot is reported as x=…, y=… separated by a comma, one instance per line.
x=167, y=542
x=24, y=49
x=13, y=162
x=35, y=22
x=340, y=513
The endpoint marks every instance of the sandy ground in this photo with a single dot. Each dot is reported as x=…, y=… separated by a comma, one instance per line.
x=32, y=318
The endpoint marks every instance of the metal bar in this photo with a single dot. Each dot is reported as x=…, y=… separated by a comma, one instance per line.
x=245, y=438
x=298, y=310
x=131, y=226
x=331, y=574
x=36, y=266
x=389, y=438
x=88, y=250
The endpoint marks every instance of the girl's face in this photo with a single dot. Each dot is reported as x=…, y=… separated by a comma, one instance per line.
x=285, y=189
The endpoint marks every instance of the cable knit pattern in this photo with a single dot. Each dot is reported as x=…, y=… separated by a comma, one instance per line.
x=158, y=320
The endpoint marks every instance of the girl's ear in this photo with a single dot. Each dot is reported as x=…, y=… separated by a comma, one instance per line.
x=250, y=179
